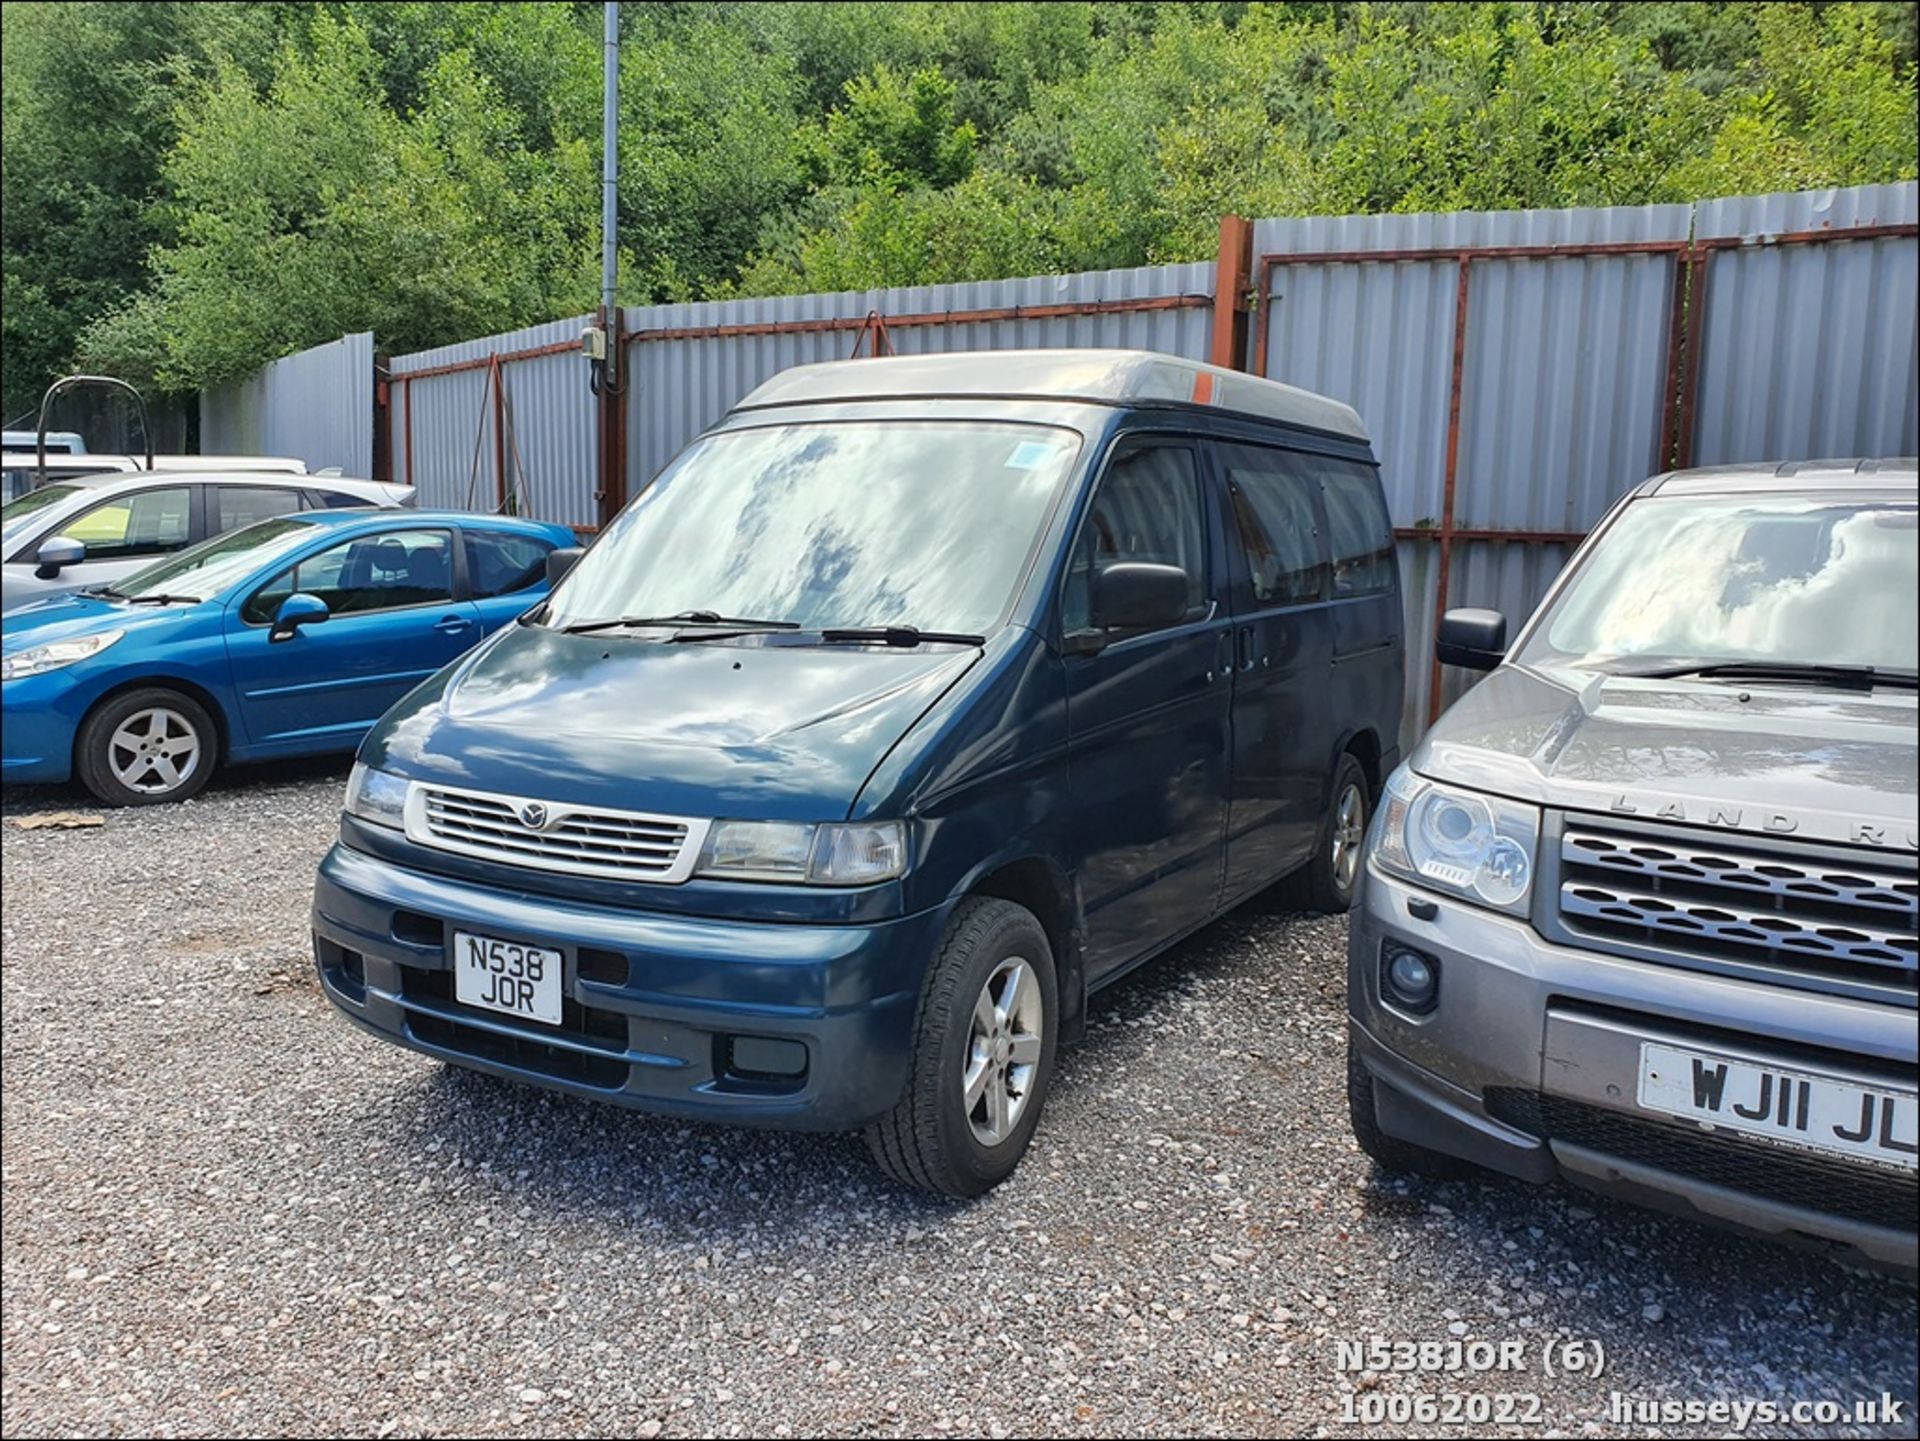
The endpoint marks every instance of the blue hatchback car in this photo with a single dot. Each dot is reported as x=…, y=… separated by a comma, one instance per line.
x=916, y=700
x=220, y=652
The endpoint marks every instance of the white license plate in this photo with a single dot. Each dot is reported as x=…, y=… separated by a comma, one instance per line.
x=1800, y=1108
x=507, y=976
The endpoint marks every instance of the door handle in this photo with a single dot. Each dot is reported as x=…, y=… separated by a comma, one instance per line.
x=451, y=624
x=1246, y=647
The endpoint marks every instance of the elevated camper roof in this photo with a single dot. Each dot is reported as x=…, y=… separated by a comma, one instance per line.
x=1103, y=377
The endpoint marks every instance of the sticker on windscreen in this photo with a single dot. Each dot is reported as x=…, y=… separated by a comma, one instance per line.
x=1031, y=455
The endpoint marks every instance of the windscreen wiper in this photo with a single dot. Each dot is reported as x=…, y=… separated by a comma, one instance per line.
x=685, y=617
x=158, y=599
x=1859, y=677
x=902, y=635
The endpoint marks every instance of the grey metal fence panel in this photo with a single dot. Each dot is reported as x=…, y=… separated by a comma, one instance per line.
x=316, y=406
x=683, y=384
x=443, y=433
x=1810, y=350
x=1563, y=364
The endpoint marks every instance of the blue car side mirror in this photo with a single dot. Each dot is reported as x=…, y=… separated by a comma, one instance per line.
x=295, y=611
x=56, y=553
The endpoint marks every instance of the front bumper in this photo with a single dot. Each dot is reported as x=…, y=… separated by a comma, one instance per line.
x=656, y=1006
x=39, y=716
x=1529, y=1065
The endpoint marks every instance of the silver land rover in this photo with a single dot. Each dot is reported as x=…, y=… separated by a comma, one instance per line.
x=1640, y=910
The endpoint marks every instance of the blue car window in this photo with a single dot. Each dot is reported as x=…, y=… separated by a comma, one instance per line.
x=383, y=571
x=499, y=563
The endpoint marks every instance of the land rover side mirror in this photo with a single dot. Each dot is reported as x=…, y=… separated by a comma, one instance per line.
x=57, y=553
x=295, y=611
x=560, y=561
x=1474, y=639
x=1135, y=595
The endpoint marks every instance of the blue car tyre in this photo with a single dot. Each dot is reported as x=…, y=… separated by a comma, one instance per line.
x=982, y=1057
x=145, y=747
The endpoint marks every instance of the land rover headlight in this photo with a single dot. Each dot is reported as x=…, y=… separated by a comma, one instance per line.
x=377, y=796
x=854, y=854
x=55, y=654
x=1480, y=848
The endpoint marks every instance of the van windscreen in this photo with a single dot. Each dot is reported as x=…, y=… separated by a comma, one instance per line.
x=929, y=524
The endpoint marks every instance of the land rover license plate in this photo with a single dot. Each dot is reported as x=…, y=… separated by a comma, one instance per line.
x=1800, y=1108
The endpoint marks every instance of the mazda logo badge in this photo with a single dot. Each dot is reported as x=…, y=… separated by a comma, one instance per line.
x=533, y=816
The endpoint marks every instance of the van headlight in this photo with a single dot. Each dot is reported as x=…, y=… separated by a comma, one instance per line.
x=377, y=796
x=1480, y=848
x=853, y=854
x=55, y=654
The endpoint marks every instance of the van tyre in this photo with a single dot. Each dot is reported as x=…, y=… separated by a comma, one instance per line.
x=982, y=1056
x=1390, y=1153
x=146, y=747
x=1333, y=877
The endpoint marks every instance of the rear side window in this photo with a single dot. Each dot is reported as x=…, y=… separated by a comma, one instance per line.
x=1276, y=510
x=1147, y=509
x=337, y=498
x=238, y=505
x=499, y=563
x=1359, y=535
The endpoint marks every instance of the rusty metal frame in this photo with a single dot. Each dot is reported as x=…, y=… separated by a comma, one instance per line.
x=1686, y=332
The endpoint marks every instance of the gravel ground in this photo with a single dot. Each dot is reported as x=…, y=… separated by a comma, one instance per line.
x=226, y=1211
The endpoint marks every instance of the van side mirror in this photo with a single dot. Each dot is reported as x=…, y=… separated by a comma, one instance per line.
x=560, y=561
x=57, y=552
x=1473, y=639
x=295, y=611
x=1136, y=595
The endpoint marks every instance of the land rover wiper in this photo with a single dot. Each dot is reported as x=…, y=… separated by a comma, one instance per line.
x=1860, y=677
x=685, y=617
x=902, y=635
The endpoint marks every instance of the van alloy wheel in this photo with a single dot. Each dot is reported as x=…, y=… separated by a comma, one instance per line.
x=1349, y=831
x=983, y=1046
x=1003, y=1051
x=154, y=751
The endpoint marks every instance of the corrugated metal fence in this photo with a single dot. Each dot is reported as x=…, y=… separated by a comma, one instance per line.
x=1518, y=370
x=316, y=406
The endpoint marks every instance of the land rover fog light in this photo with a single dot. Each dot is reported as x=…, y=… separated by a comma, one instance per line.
x=1412, y=980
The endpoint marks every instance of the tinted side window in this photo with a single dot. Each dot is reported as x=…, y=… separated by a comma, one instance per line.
x=373, y=572
x=1358, y=531
x=338, y=498
x=238, y=505
x=148, y=522
x=1147, y=509
x=499, y=564
x=1276, y=510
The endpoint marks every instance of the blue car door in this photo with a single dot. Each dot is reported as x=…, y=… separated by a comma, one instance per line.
x=394, y=622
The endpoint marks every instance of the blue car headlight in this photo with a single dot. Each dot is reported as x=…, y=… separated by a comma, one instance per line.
x=36, y=660
x=1478, y=847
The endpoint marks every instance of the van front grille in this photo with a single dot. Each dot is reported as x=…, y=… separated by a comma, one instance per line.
x=547, y=835
x=1788, y=909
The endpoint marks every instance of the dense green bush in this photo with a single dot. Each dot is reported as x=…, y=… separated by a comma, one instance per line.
x=190, y=190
